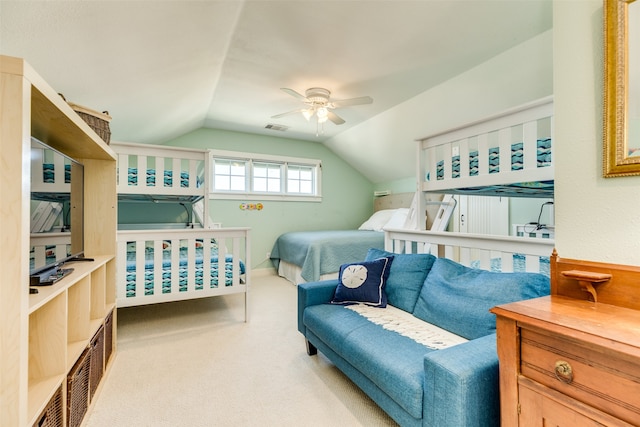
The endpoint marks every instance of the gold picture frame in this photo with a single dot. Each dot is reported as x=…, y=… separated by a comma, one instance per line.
x=621, y=155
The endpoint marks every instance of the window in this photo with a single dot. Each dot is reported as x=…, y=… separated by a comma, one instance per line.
x=266, y=177
x=229, y=175
x=242, y=175
x=300, y=179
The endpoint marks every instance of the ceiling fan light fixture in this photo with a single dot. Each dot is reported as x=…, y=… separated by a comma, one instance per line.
x=307, y=113
x=318, y=102
x=323, y=114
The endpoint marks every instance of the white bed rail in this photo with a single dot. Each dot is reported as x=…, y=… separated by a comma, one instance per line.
x=186, y=167
x=475, y=250
x=232, y=242
x=449, y=159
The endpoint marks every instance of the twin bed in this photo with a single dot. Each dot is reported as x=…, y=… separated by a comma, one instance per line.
x=309, y=256
x=508, y=154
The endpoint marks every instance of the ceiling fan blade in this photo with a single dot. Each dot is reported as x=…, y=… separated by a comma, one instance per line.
x=352, y=101
x=334, y=118
x=277, y=116
x=293, y=93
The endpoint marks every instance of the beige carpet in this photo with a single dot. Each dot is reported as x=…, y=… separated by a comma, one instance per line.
x=196, y=363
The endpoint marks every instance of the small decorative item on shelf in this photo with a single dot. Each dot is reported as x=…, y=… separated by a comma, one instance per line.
x=96, y=120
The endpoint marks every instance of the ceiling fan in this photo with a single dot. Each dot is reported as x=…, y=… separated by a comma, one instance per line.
x=318, y=102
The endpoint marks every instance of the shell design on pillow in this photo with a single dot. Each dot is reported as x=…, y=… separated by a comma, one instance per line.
x=354, y=276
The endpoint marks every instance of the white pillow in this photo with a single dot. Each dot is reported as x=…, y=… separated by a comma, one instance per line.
x=377, y=220
x=398, y=219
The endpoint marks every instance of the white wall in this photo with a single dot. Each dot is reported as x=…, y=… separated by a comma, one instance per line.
x=596, y=218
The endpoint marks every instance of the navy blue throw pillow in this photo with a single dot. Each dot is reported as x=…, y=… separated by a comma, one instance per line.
x=363, y=282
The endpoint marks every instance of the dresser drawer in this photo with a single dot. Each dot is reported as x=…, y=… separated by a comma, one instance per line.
x=599, y=377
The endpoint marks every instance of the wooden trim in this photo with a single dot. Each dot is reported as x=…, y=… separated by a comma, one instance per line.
x=621, y=289
x=508, y=336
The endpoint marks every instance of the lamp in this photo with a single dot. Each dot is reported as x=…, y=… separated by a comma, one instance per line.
x=322, y=114
x=308, y=113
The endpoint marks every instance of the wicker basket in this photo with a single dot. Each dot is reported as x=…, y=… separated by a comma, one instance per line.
x=108, y=337
x=52, y=415
x=97, y=121
x=78, y=390
x=97, y=360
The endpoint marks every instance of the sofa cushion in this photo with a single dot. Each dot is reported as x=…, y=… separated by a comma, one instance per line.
x=406, y=277
x=393, y=362
x=363, y=282
x=458, y=298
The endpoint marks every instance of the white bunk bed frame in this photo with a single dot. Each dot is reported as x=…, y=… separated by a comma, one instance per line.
x=480, y=136
x=535, y=121
x=191, y=188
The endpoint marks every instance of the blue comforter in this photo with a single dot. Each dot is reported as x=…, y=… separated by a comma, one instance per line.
x=323, y=252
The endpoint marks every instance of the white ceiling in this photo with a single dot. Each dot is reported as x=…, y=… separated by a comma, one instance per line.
x=164, y=68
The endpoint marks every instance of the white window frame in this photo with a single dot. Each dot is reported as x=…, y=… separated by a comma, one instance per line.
x=252, y=158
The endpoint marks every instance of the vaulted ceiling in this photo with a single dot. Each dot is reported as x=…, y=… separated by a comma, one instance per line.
x=164, y=68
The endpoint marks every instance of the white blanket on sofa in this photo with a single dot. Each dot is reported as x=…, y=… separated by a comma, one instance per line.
x=397, y=320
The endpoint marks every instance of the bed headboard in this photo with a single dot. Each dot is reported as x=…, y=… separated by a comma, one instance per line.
x=393, y=201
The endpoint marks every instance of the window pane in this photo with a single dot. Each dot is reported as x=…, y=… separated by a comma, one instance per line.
x=259, y=184
x=306, y=187
x=274, y=186
x=237, y=183
x=237, y=168
x=274, y=172
x=294, y=186
x=222, y=183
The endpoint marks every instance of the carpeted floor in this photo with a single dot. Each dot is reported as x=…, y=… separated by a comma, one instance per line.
x=197, y=363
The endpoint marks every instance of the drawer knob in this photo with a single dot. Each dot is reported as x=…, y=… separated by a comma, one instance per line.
x=564, y=372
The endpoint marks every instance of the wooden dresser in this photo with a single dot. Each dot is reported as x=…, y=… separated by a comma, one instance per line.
x=573, y=358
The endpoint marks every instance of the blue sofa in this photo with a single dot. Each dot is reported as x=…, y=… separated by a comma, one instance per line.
x=418, y=384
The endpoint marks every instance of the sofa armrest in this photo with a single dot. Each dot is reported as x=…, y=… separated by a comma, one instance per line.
x=314, y=293
x=461, y=385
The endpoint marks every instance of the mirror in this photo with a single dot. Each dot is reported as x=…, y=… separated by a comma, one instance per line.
x=621, y=88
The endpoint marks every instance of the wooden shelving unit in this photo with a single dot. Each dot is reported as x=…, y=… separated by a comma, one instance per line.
x=43, y=335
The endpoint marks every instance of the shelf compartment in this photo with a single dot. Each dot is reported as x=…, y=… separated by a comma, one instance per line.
x=47, y=353
x=78, y=310
x=110, y=291
x=98, y=294
x=53, y=413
